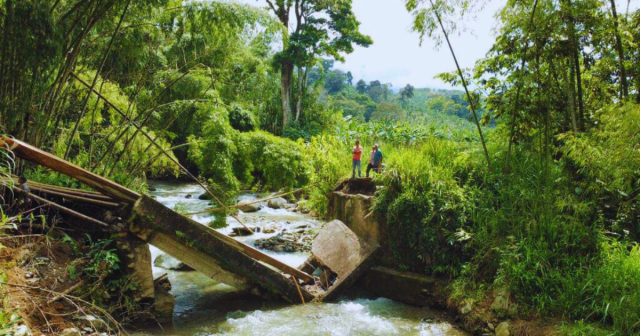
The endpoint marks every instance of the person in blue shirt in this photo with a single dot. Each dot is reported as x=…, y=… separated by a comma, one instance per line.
x=375, y=160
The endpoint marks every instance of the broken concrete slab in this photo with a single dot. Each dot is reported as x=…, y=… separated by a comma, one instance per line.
x=354, y=211
x=339, y=249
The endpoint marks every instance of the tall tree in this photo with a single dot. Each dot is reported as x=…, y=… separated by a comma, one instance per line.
x=406, y=93
x=624, y=86
x=319, y=27
x=362, y=87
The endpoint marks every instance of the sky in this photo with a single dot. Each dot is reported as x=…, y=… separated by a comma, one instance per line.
x=396, y=56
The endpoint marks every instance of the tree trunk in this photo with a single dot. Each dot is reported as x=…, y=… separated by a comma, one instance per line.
x=286, y=78
x=570, y=98
x=302, y=75
x=575, y=46
x=624, y=92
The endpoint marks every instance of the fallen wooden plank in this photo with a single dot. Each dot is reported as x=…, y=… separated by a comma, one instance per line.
x=65, y=209
x=154, y=220
x=76, y=192
x=35, y=155
x=65, y=189
x=76, y=198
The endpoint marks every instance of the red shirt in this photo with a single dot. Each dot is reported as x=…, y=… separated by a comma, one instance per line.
x=357, y=152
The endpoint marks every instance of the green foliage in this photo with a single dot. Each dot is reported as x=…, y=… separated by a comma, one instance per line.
x=71, y=242
x=425, y=211
x=609, y=166
x=101, y=261
x=330, y=163
x=110, y=288
x=275, y=162
x=8, y=316
x=241, y=119
x=232, y=158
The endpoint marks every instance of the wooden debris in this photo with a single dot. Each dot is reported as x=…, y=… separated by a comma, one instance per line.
x=65, y=210
x=35, y=155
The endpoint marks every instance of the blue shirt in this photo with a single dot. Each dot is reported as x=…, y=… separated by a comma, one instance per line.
x=377, y=158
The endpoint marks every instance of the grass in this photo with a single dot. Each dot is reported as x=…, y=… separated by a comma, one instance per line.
x=559, y=238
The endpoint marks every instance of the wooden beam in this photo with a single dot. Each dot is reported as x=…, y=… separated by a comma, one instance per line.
x=37, y=156
x=68, y=192
x=64, y=209
x=76, y=198
x=153, y=219
x=74, y=191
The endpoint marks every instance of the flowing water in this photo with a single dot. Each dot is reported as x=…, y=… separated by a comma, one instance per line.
x=205, y=307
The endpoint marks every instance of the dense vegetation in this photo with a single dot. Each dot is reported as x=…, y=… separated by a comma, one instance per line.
x=529, y=180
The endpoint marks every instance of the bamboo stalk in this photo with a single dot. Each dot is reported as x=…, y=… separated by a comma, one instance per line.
x=464, y=84
x=95, y=81
x=191, y=176
x=73, y=191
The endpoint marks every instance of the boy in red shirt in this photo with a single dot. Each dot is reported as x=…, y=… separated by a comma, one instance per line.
x=357, y=154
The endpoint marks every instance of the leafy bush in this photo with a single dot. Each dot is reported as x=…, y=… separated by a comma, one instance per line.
x=232, y=159
x=425, y=209
x=241, y=119
x=273, y=161
x=330, y=162
x=608, y=163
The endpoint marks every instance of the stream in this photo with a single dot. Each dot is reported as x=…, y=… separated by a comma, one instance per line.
x=205, y=307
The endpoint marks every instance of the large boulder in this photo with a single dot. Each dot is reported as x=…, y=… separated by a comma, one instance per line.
x=205, y=197
x=248, y=207
x=170, y=263
x=277, y=203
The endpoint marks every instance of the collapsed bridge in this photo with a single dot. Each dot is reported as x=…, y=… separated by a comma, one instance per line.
x=207, y=251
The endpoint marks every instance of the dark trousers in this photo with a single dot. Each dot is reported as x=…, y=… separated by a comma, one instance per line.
x=371, y=167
